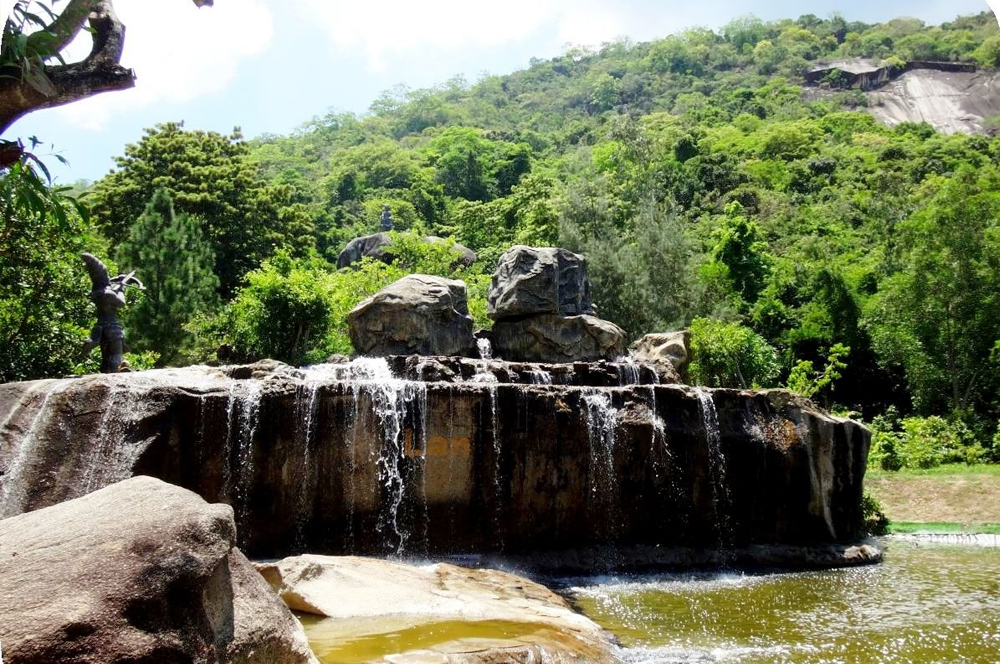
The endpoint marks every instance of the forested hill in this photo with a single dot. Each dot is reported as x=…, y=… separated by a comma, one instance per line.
x=805, y=244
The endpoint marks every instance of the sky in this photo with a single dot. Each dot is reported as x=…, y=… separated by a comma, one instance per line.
x=268, y=66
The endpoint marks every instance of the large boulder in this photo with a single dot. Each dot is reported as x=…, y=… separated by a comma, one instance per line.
x=554, y=339
x=360, y=247
x=365, y=597
x=417, y=314
x=530, y=281
x=139, y=572
x=374, y=246
x=667, y=348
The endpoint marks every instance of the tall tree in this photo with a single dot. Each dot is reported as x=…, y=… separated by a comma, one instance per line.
x=211, y=177
x=175, y=261
x=939, y=316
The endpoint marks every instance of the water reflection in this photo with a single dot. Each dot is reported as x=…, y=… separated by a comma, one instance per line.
x=925, y=604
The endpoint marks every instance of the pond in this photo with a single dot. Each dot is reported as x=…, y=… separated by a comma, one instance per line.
x=926, y=604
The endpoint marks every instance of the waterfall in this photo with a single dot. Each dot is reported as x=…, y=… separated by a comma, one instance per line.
x=539, y=377
x=114, y=456
x=305, y=405
x=628, y=371
x=12, y=487
x=602, y=428
x=249, y=421
x=717, y=464
x=392, y=401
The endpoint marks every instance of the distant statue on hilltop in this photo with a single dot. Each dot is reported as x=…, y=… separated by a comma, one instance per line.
x=386, y=219
x=108, y=296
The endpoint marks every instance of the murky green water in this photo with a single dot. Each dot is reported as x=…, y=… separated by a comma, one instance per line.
x=925, y=604
x=371, y=639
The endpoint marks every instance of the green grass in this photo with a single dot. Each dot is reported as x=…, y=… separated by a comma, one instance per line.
x=947, y=470
x=943, y=528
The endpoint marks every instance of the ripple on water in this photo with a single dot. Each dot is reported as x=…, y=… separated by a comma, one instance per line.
x=924, y=604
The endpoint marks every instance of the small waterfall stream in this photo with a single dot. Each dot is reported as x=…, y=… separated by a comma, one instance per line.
x=721, y=500
x=13, y=487
x=602, y=428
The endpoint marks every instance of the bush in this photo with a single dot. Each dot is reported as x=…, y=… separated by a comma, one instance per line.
x=731, y=355
x=887, y=441
x=876, y=522
x=296, y=310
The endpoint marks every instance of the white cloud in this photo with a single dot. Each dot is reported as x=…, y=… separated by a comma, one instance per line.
x=381, y=28
x=179, y=52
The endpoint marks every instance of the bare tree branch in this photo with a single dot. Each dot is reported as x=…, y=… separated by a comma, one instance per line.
x=100, y=72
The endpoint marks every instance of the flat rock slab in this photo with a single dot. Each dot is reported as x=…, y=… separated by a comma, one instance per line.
x=139, y=572
x=480, y=615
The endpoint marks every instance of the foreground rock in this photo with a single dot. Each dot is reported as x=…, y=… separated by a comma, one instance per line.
x=139, y=572
x=366, y=596
x=530, y=281
x=417, y=314
x=549, y=338
x=669, y=348
x=375, y=246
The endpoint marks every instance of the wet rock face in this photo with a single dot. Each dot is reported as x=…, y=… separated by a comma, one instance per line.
x=365, y=591
x=417, y=314
x=138, y=572
x=549, y=338
x=350, y=458
x=530, y=281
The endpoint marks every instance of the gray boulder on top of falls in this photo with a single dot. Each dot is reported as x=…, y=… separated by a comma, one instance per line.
x=141, y=571
x=418, y=314
x=552, y=338
x=540, y=300
x=375, y=247
x=530, y=281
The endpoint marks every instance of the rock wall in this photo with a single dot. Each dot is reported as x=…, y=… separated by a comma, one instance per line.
x=374, y=465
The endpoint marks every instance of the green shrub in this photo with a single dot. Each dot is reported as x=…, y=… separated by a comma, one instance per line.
x=887, y=441
x=876, y=522
x=731, y=355
x=931, y=441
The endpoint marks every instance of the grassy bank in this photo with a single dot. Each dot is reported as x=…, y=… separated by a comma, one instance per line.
x=946, y=499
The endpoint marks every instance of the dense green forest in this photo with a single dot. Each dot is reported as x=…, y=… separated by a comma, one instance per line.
x=804, y=244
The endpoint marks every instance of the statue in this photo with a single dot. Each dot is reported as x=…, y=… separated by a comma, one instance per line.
x=386, y=219
x=109, y=296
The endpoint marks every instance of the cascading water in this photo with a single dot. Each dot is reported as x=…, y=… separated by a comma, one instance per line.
x=602, y=428
x=717, y=465
x=628, y=371
x=12, y=487
x=392, y=401
x=249, y=421
x=539, y=377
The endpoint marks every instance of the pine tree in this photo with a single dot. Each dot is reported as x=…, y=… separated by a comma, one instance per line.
x=174, y=259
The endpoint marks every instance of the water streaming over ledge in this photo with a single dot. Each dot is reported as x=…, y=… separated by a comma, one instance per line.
x=364, y=457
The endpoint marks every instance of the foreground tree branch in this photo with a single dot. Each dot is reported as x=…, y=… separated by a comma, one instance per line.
x=28, y=85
